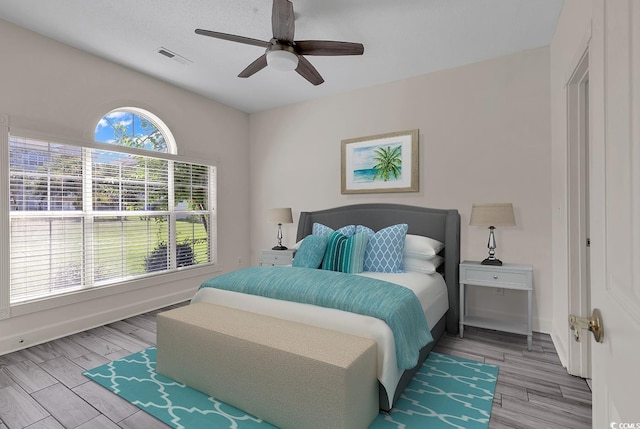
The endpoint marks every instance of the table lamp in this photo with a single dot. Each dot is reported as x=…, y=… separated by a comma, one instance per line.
x=492, y=215
x=280, y=216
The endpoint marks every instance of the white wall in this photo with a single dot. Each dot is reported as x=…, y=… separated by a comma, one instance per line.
x=484, y=137
x=49, y=88
x=568, y=45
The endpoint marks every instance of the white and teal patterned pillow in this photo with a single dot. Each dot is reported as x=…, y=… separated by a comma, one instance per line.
x=310, y=252
x=385, y=249
x=320, y=229
x=345, y=254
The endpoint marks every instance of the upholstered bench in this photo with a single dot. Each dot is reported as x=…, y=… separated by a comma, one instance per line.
x=290, y=374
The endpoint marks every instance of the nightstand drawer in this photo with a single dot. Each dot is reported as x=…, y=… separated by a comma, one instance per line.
x=495, y=277
x=276, y=257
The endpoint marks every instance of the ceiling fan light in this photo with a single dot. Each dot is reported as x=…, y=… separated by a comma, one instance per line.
x=282, y=60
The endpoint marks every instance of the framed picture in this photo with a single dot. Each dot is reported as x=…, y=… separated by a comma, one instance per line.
x=382, y=163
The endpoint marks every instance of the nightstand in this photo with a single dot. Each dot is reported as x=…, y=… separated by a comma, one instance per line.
x=507, y=276
x=276, y=257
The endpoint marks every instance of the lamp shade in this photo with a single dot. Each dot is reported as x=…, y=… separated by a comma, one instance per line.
x=492, y=214
x=280, y=215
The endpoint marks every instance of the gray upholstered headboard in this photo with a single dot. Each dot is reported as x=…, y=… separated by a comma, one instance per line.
x=442, y=225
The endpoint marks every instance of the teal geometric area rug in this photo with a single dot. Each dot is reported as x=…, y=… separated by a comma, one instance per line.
x=447, y=392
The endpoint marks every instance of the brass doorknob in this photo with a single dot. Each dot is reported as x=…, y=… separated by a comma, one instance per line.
x=593, y=324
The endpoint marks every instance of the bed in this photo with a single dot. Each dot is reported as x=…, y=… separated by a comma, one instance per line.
x=439, y=303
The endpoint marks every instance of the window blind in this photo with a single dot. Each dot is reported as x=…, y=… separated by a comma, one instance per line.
x=84, y=217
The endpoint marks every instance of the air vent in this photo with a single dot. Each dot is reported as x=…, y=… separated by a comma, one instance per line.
x=172, y=55
x=166, y=53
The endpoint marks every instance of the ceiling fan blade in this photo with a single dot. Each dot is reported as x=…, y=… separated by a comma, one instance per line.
x=307, y=71
x=327, y=47
x=233, y=38
x=254, y=67
x=282, y=20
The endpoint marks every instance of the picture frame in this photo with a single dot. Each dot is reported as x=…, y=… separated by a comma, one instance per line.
x=381, y=163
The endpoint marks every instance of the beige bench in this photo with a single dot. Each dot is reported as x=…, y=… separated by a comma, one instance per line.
x=289, y=374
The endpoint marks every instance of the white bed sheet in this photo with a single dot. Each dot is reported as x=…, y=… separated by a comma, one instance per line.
x=430, y=289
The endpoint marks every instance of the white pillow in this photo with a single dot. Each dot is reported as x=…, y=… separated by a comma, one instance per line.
x=428, y=266
x=418, y=246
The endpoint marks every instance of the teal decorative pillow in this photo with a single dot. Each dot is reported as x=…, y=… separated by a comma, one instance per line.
x=310, y=252
x=385, y=249
x=320, y=229
x=345, y=254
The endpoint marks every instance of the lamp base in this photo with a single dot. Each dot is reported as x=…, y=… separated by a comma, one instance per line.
x=284, y=248
x=490, y=261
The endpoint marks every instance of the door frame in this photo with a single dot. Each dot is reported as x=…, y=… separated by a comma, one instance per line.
x=579, y=353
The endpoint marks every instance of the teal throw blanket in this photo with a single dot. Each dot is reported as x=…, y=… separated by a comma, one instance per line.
x=396, y=305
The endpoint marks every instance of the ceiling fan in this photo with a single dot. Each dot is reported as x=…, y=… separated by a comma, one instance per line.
x=284, y=53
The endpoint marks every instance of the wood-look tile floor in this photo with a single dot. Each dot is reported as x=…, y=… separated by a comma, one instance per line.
x=42, y=387
x=534, y=390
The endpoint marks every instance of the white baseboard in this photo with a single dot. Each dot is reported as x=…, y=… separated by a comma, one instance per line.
x=538, y=325
x=40, y=322
x=17, y=340
x=561, y=349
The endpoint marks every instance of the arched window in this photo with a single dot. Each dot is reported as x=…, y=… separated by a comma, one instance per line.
x=88, y=215
x=134, y=127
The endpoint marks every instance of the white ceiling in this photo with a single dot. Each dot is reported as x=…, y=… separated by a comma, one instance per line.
x=402, y=38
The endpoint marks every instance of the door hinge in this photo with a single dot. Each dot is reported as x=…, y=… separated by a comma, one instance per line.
x=588, y=242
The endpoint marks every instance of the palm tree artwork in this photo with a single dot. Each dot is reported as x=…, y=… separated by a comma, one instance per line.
x=379, y=163
x=382, y=163
x=388, y=163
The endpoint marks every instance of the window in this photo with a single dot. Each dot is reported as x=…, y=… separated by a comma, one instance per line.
x=92, y=215
x=134, y=127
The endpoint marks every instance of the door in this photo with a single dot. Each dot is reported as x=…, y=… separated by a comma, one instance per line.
x=614, y=90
